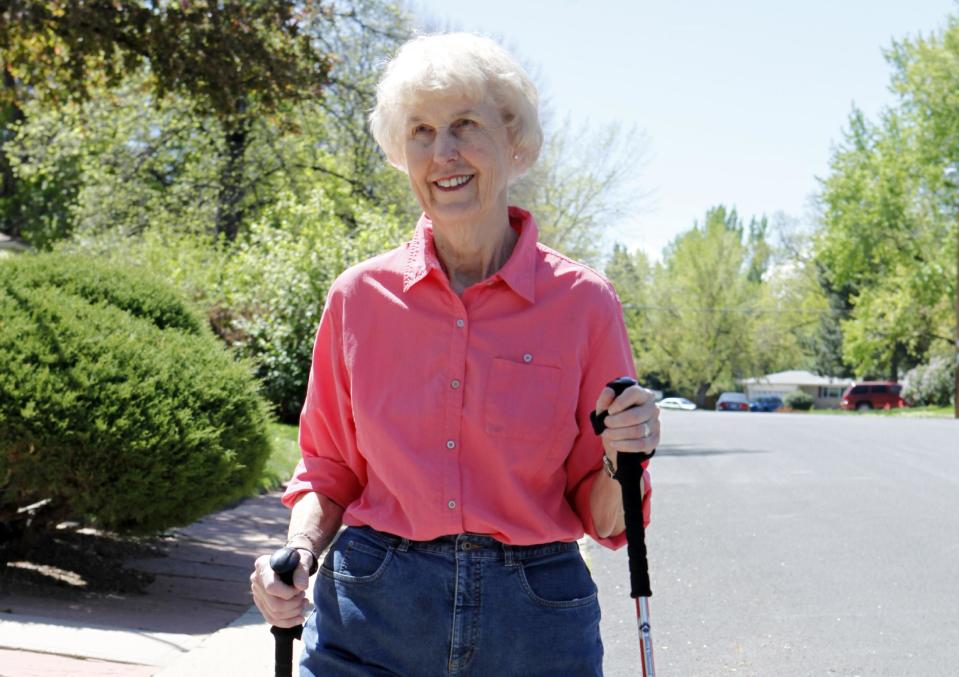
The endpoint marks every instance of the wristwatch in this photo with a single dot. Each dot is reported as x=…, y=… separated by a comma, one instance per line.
x=610, y=470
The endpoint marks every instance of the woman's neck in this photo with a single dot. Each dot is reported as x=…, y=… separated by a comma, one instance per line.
x=470, y=253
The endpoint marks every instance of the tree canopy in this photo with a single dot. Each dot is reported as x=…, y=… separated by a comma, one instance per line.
x=887, y=246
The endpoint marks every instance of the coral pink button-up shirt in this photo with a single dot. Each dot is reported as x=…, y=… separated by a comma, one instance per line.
x=429, y=414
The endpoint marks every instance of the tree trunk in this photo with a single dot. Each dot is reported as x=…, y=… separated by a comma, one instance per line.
x=11, y=221
x=229, y=211
x=701, y=395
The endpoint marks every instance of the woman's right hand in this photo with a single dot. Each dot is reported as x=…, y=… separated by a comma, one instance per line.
x=280, y=604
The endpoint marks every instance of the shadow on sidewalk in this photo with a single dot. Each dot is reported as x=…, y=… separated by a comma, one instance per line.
x=193, y=580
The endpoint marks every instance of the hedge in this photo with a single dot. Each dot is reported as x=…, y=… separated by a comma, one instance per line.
x=799, y=400
x=117, y=404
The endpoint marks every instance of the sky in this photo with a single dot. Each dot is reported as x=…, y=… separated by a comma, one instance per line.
x=741, y=101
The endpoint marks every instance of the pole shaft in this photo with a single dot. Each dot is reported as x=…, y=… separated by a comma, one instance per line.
x=645, y=637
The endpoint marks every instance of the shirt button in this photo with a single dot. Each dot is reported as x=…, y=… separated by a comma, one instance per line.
x=450, y=444
x=455, y=384
x=460, y=324
x=452, y=505
x=527, y=358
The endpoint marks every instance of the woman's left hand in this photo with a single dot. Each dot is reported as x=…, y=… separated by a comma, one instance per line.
x=632, y=425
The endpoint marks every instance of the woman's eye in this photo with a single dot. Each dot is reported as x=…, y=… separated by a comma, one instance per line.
x=420, y=130
x=464, y=123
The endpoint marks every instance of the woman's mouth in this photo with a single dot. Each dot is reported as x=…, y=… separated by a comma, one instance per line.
x=453, y=182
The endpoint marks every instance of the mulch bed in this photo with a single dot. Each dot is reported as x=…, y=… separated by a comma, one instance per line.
x=69, y=561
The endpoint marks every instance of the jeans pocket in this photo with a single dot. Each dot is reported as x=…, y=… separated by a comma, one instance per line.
x=357, y=559
x=560, y=580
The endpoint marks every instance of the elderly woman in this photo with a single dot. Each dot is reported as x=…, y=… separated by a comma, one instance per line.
x=446, y=421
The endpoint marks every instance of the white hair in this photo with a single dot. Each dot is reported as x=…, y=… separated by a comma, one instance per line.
x=457, y=64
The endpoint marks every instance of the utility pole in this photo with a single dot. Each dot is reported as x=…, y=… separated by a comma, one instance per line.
x=952, y=179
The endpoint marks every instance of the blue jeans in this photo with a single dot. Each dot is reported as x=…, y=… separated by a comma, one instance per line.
x=458, y=605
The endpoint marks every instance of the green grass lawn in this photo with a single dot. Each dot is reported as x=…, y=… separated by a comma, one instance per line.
x=284, y=457
x=906, y=412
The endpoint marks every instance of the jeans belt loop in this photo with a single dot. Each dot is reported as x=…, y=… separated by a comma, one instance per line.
x=509, y=556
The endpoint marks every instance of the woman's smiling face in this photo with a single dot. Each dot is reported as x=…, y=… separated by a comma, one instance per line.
x=459, y=158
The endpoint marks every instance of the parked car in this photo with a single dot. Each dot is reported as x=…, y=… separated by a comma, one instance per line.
x=732, y=402
x=873, y=395
x=766, y=403
x=677, y=403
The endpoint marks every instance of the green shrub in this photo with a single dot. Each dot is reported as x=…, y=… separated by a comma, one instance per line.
x=931, y=384
x=264, y=294
x=116, y=403
x=125, y=288
x=798, y=400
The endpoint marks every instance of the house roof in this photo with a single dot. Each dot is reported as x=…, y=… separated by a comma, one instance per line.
x=796, y=378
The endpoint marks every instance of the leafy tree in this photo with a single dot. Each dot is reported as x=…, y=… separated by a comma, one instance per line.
x=363, y=35
x=723, y=304
x=117, y=162
x=888, y=239
x=807, y=312
x=125, y=158
x=233, y=60
x=699, y=328
x=584, y=180
x=760, y=251
x=632, y=275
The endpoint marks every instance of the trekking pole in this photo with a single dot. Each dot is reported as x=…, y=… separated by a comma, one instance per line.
x=284, y=562
x=629, y=473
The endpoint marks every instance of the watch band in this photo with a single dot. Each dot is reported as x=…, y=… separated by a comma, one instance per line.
x=302, y=541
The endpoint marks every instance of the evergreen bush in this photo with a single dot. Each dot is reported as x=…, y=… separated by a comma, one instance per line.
x=798, y=400
x=117, y=405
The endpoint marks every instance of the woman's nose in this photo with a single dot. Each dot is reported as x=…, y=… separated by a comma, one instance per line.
x=446, y=147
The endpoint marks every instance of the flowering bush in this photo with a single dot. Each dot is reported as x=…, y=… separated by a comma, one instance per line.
x=931, y=384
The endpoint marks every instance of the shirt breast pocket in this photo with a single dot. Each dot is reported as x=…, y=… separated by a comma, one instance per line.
x=521, y=400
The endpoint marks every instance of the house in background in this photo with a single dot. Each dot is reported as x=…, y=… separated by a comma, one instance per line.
x=826, y=391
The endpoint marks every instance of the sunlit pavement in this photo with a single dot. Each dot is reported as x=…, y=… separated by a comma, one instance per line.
x=796, y=545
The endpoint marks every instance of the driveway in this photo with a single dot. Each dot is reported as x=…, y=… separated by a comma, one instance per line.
x=796, y=544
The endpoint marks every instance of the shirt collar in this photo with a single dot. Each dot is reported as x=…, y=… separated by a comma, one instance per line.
x=519, y=272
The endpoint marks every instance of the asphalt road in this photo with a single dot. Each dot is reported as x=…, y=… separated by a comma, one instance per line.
x=795, y=545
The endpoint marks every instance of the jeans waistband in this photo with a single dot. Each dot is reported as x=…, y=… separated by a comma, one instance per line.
x=476, y=545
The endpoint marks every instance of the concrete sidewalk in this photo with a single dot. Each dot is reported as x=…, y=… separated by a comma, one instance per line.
x=195, y=618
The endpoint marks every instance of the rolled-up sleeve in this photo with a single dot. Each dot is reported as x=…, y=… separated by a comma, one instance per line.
x=330, y=464
x=610, y=356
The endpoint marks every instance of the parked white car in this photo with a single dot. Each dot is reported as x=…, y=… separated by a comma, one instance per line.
x=676, y=403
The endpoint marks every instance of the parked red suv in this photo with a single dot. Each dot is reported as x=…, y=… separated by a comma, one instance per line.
x=873, y=395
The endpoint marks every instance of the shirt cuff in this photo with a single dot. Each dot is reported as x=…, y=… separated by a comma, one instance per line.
x=324, y=477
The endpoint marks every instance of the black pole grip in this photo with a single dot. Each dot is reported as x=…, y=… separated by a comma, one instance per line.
x=284, y=562
x=629, y=473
